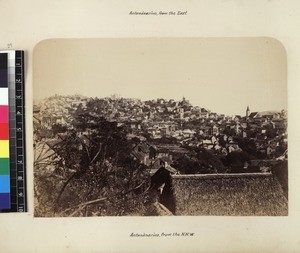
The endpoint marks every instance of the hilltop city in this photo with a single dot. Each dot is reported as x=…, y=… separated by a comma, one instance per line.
x=169, y=129
x=123, y=156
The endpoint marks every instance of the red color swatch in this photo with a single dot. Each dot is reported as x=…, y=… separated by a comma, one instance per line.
x=4, y=131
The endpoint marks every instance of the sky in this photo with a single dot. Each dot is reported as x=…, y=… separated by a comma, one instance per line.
x=224, y=75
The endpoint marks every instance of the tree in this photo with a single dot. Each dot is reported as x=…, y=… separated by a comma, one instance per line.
x=236, y=161
x=247, y=145
x=58, y=128
x=97, y=174
x=199, y=161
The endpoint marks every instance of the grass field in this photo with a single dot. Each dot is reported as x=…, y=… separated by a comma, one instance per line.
x=253, y=194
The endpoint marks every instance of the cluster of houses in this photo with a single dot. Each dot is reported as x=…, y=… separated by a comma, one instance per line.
x=57, y=110
x=165, y=130
x=176, y=122
x=197, y=127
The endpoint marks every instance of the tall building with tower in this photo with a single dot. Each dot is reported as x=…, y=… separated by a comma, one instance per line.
x=247, y=111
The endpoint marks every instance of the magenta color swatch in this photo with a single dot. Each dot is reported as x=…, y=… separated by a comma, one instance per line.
x=4, y=114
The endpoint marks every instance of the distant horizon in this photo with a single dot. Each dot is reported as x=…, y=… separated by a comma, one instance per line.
x=166, y=99
x=224, y=75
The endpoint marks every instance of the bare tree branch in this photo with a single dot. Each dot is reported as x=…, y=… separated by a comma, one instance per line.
x=42, y=149
x=97, y=154
x=97, y=201
x=83, y=205
x=44, y=158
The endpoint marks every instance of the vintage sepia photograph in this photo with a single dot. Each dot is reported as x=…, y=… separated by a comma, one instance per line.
x=160, y=127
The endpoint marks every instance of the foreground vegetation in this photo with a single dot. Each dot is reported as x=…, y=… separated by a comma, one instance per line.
x=88, y=171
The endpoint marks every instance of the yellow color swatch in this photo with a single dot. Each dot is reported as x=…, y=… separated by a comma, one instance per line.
x=4, y=149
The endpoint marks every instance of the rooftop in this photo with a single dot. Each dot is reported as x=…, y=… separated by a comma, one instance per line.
x=241, y=194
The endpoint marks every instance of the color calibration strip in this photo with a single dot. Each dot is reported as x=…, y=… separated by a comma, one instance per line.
x=12, y=129
x=5, y=197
